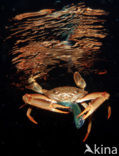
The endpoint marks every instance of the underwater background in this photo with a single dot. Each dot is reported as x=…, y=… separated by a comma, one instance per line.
x=56, y=133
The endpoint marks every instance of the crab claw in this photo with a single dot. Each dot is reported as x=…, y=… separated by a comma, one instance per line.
x=96, y=100
x=78, y=121
x=88, y=110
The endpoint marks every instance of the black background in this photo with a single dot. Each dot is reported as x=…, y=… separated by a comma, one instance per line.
x=56, y=133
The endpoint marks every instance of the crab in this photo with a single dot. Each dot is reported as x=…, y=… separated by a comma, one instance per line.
x=66, y=99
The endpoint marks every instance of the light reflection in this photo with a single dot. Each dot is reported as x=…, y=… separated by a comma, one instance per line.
x=48, y=37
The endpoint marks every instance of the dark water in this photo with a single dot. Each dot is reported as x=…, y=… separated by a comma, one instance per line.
x=57, y=133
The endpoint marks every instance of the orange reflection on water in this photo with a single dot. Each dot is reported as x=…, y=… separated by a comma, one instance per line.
x=69, y=38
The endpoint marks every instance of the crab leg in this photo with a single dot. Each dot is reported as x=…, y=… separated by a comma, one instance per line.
x=88, y=130
x=43, y=102
x=109, y=112
x=96, y=100
x=29, y=116
x=84, y=104
x=28, y=97
x=57, y=110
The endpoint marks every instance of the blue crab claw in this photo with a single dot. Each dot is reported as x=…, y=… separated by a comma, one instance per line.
x=79, y=123
x=76, y=111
